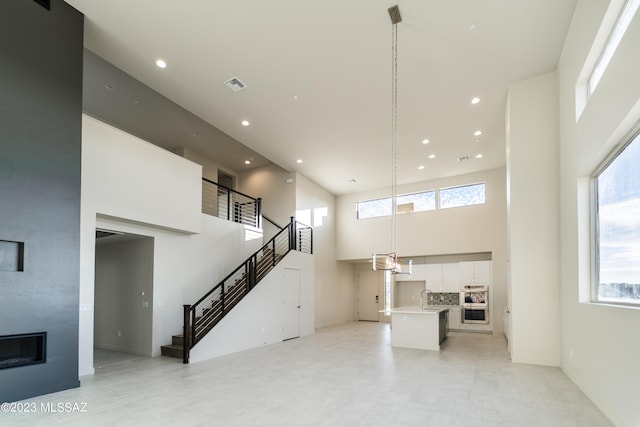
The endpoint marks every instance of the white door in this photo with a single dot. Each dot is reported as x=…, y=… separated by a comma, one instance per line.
x=291, y=304
x=368, y=297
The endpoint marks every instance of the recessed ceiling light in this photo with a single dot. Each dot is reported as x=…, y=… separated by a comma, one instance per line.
x=432, y=156
x=421, y=167
x=161, y=64
x=247, y=162
x=245, y=123
x=299, y=161
x=295, y=97
x=475, y=100
x=472, y=27
x=477, y=133
x=479, y=156
x=425, y=141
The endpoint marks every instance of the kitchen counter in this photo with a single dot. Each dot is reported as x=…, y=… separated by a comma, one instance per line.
x=414, y=327
x=431, y=309
x=442, y=306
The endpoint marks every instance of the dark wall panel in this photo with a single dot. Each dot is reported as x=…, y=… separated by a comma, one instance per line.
x=40, y=147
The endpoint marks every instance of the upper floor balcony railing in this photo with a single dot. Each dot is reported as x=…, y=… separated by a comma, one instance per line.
x=225, y=203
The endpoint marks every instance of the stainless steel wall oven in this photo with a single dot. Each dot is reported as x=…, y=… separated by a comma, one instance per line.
x=475, y=304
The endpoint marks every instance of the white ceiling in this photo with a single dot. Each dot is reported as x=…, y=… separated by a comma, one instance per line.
x=318, y=76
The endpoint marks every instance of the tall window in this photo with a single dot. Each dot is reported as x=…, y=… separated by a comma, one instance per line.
x=617, y=227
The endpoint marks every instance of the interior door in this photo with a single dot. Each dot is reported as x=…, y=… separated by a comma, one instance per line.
x=291, y=304
x=368, y=297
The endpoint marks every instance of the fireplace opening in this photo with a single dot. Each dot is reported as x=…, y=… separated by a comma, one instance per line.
x=22, y=350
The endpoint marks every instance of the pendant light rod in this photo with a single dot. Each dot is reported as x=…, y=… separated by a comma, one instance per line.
x=394, y=14
x=390, y=261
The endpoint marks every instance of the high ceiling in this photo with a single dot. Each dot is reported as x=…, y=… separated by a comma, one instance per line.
x=318, y=77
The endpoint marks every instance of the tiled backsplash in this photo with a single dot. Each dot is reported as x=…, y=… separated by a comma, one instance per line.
x=443, y=298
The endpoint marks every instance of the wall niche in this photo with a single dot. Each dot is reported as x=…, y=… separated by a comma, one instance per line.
x=11, y=256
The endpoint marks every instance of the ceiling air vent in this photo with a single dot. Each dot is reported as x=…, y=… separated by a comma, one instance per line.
x=235, y=84
x=463, y=159
x=44, y=3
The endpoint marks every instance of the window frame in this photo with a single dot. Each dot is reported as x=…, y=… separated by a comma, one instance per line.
x=439, y=200
x=435, y=194
x=626, y=141
x=616, y=34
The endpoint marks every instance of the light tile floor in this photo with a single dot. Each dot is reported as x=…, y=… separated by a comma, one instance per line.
x=346, y=375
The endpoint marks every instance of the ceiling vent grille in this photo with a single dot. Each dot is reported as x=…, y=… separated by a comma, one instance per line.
x=463, y=159
x=235, y=84
x=44, y=3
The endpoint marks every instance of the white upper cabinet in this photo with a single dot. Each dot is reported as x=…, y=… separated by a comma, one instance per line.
x=451, y=277
x=434, y=277
x=443, y=277
x=475, y=272
x=419, y=272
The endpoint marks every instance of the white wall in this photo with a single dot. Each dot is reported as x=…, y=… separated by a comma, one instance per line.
x=600, y=348
x=124, y=294
x=153, y=193
x=532, y=173
x=334, y=284
x=126, y=177
x=257, y=320
x=210, y=167
x=270, y=183
x=302, y=198
x=470, y=229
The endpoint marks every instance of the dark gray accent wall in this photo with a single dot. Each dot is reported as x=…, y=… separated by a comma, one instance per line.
x=40, y=148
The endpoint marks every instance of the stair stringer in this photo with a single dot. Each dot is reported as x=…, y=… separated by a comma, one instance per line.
x=257, y=319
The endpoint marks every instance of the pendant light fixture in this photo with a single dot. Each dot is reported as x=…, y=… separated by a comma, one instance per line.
x=390, y=260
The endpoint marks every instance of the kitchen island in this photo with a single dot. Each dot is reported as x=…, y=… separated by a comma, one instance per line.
x=414, y=327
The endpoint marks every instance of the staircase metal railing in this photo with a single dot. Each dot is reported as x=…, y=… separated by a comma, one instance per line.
x=201, y=317
x=225, y=203
x=269, y=228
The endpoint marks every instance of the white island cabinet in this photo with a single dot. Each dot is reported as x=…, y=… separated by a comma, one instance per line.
x=413, y=327
x=454, y=318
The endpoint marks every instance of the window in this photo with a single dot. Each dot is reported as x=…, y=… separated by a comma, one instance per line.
x=462, y=196
x=620, y=27
x=416, y=202
x=374, y=208
x=419, y=201
x=617, y=227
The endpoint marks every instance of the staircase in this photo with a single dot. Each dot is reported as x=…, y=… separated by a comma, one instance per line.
x=201, y=317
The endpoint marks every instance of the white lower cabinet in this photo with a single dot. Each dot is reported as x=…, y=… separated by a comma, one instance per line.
x=454, y=318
